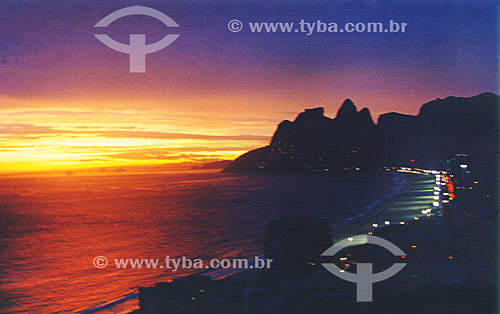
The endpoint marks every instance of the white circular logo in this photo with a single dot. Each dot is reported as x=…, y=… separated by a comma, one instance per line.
x=235, y=26
x=100, y=262
x=137, y=49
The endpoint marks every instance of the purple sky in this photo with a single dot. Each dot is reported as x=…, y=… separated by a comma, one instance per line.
x=210, y=81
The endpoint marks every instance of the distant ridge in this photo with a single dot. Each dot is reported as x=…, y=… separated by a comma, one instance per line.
x=219, y=164
x=352, y=141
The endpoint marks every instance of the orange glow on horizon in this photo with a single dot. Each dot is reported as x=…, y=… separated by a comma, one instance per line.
x=41, y=139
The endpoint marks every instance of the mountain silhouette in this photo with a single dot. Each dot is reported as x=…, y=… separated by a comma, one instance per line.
x=352, y=141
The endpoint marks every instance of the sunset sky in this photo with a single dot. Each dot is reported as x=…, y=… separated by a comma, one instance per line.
x=67, y=101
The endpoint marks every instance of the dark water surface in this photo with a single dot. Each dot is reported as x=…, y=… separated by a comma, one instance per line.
x=51, y=228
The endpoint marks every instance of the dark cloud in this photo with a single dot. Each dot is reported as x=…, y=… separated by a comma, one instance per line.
x=33, y=131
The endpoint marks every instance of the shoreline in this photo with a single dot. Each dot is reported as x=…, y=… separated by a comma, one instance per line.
x=357, y=224
x=346, y=226
x=412, y=194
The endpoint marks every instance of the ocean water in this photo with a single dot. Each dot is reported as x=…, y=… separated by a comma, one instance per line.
x=52, y=227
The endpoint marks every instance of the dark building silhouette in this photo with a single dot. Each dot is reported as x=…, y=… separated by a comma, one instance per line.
x=295, y=244
x=192, y=294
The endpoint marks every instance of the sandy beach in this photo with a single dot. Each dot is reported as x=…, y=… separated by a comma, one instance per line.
x=410, y=194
